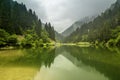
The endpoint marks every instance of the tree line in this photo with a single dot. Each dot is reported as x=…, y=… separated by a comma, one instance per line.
x=16, y=19
x=105, y=28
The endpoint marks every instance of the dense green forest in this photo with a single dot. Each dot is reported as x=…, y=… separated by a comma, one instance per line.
x=21, y=26
x=105, y=28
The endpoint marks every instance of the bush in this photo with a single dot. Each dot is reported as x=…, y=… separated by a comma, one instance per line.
x=111, y=42
x=12, y=40
x=117, y=42
x=3, y=37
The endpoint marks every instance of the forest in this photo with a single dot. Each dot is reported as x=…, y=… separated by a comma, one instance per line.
x=104, y=29
x=31, y=48
x=20, y=26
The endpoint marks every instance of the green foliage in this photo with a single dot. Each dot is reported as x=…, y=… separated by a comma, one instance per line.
x=118, y=41
x=15, y=20
x=45, y=37
x=102, y=29
x=50, y=30
x=38, y=28
x=115, y=39
x=84, y=37
x=3, y=37
x=27, y=44
x=12, y=40
x=111, y=42
x=7, y=39
x=115, y=32
x=3, y=34
x=28, y=57
x=29, y=39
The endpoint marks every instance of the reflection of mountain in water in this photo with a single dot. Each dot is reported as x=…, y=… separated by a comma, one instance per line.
x=90, y=59
x=64, y=69
x=103, y=60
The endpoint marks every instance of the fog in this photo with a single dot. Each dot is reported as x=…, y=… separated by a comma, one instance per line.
x=63, y=13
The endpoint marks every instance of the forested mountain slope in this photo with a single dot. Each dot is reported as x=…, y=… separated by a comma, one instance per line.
x=76, y=25
x=16, y=19
x=104, y=28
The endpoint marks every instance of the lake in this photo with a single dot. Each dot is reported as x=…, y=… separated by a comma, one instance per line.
x=60, y=63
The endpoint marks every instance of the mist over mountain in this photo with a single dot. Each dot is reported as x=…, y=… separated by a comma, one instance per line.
x=76, y=25
x=63, y=13
x=104, y=28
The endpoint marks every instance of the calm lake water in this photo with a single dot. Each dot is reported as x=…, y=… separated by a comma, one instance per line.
x=62, y=63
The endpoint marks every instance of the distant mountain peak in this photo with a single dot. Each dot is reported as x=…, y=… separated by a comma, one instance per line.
x=100, y=28
x=76, y=25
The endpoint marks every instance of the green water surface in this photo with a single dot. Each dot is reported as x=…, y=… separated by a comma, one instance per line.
x=60, y=63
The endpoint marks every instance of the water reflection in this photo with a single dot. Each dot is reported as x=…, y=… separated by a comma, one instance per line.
x=24, y=64
x=104, y=60
x=27, y=57
x=62, y=63
x=64, y=69
x=76, y=63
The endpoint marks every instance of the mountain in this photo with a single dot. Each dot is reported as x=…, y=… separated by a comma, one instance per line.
x=16, y=19
x=76, y=25
x=104, y=28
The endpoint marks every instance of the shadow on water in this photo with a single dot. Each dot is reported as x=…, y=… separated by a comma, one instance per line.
x=104, y=60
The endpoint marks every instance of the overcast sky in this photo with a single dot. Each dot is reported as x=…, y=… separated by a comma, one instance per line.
x=63, y=13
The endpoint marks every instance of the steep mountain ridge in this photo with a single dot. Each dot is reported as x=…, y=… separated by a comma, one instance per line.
x=104, y=28
x=76, y=25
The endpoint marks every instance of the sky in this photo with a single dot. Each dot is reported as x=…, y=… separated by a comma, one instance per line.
x=63, y=13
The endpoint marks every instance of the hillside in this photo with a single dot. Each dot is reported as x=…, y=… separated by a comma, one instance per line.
x=104, y=28
x=16, y=19
x=76, y=25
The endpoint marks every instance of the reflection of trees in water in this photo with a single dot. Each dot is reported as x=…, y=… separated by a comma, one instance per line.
x=102, y=59
x=31, y=58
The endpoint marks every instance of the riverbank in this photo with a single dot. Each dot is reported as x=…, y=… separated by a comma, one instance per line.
x=55, y=44
x=80, y=44
x=45, y=45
